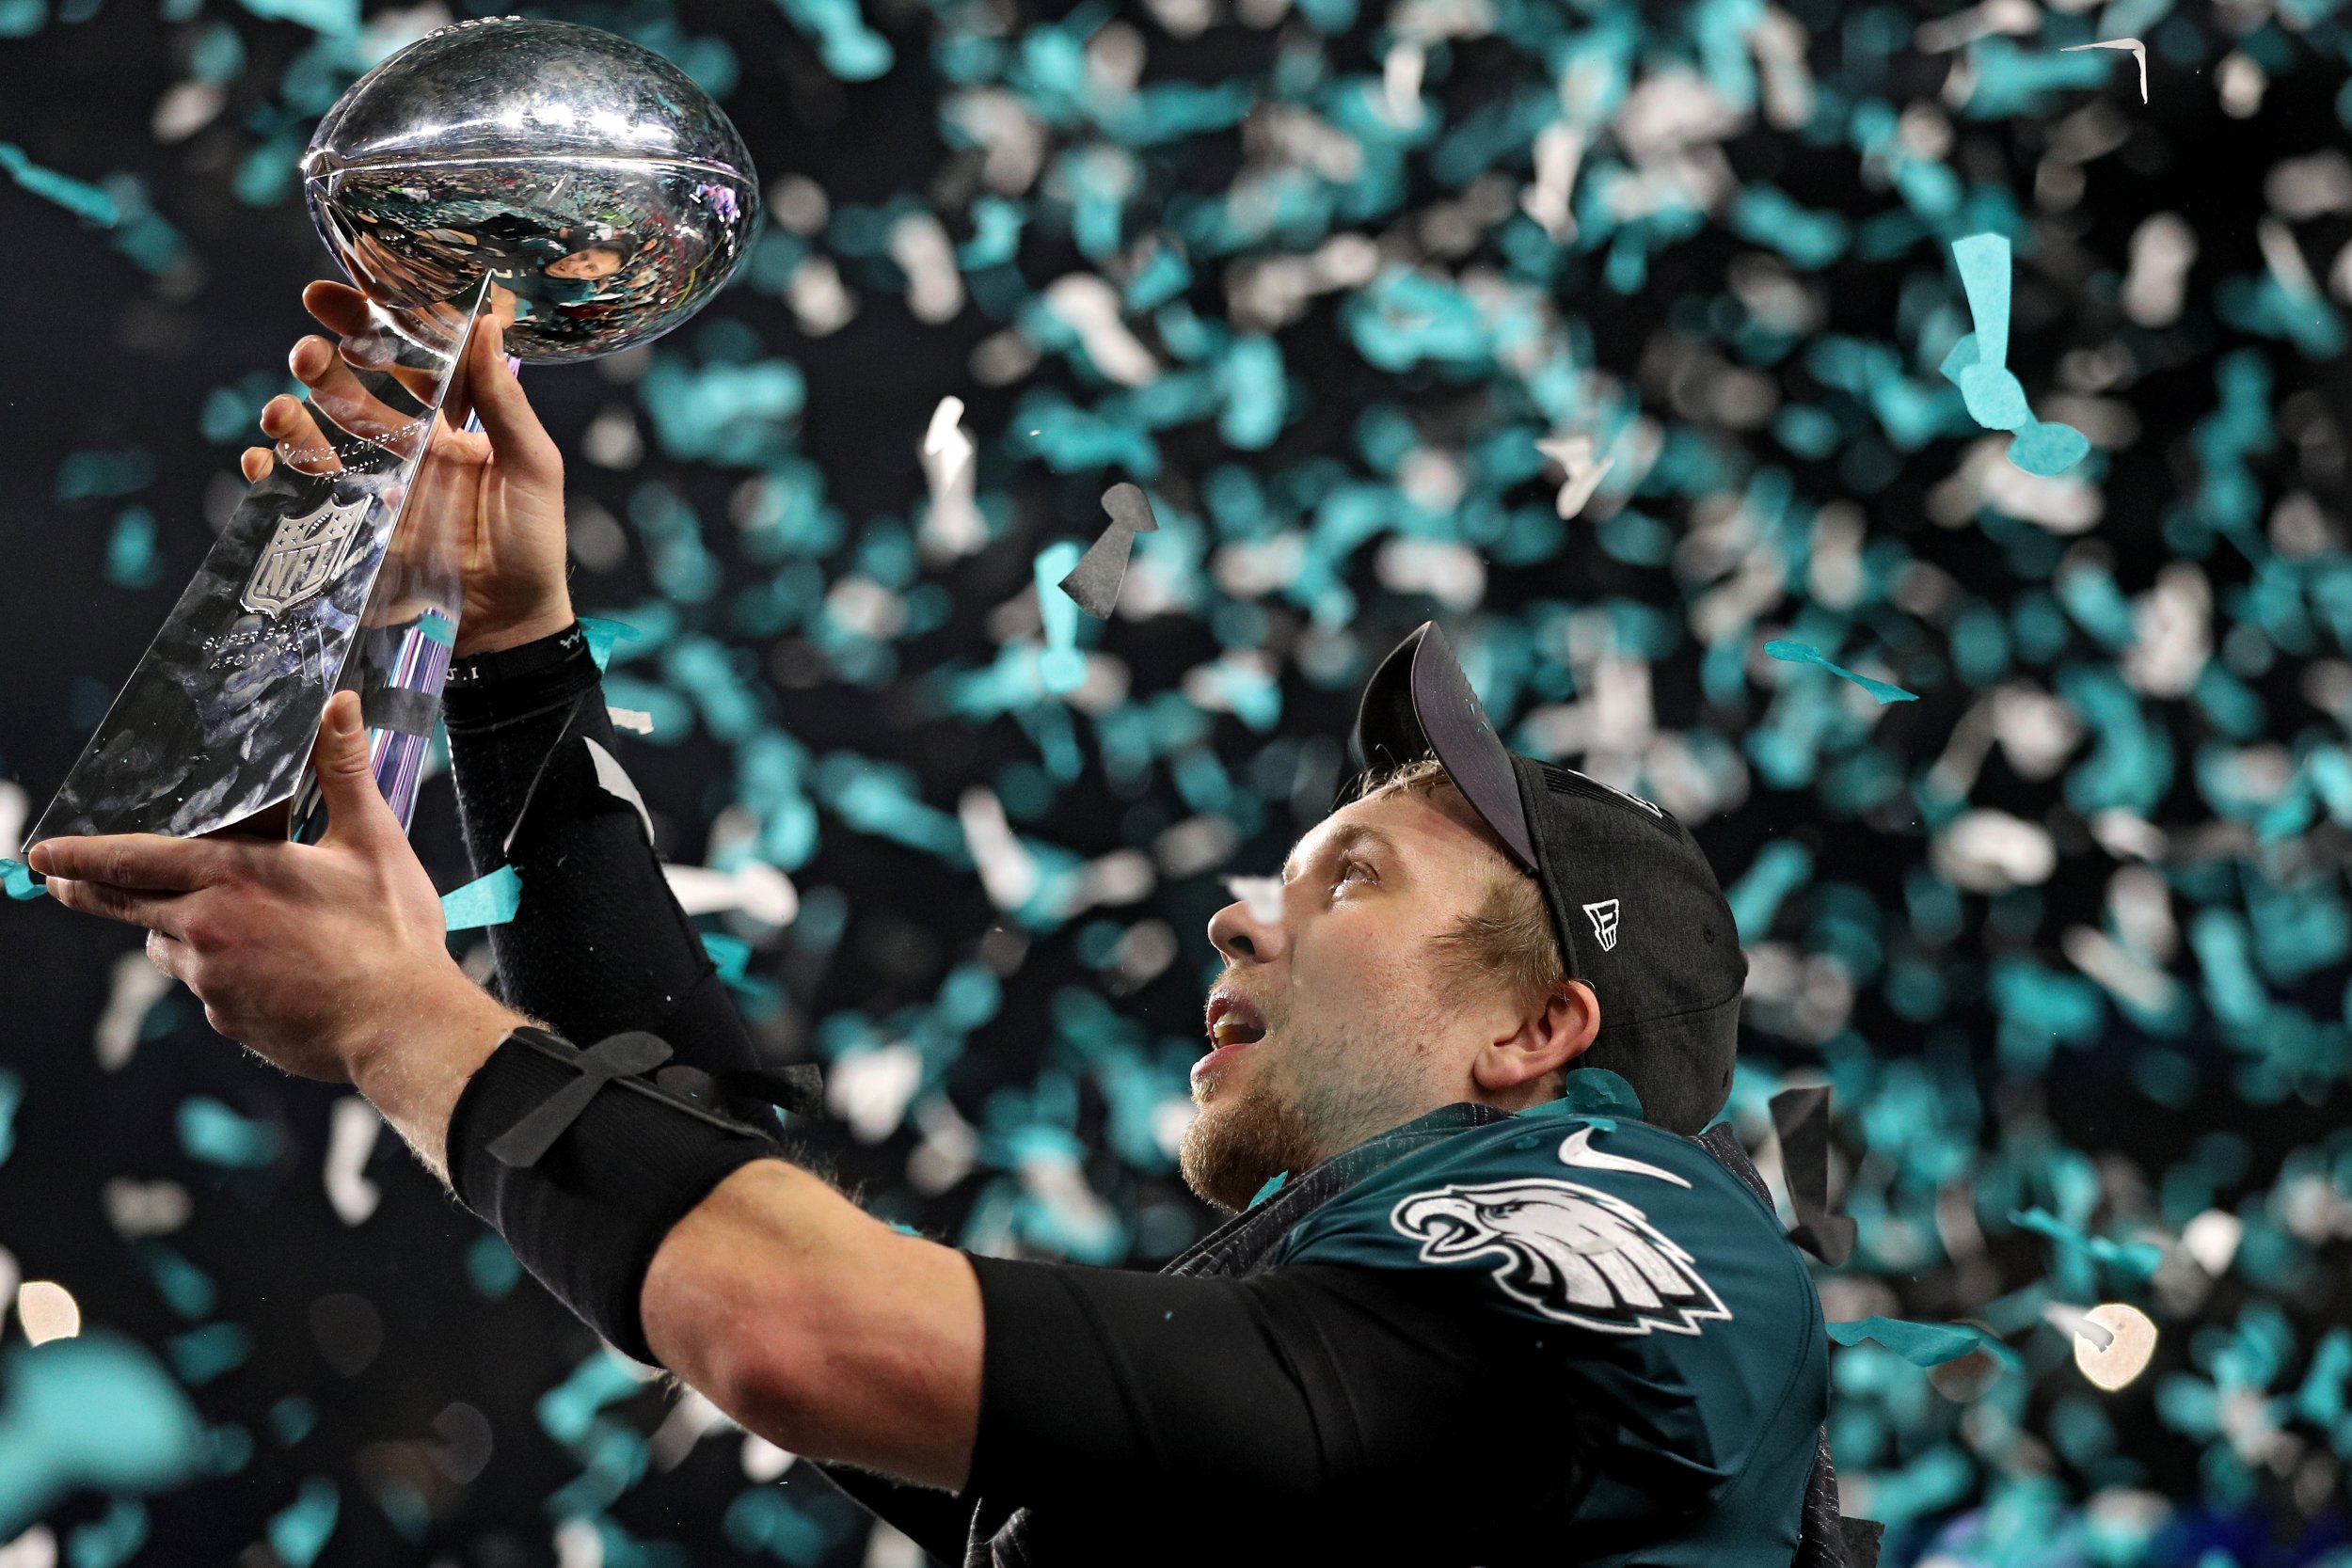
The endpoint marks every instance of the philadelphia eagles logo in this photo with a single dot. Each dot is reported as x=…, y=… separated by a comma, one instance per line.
x=1571, y=1252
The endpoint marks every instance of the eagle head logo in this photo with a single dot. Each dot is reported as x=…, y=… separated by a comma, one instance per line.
x=1570, y=1252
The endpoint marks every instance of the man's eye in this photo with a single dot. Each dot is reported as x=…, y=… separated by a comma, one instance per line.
x=1354, y=871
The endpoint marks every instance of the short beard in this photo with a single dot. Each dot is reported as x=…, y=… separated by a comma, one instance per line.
x=1234, y=1149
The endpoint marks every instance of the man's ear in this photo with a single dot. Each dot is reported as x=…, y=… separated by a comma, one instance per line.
x=1547, y=1040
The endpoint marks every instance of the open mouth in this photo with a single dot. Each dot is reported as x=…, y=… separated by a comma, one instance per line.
x=1234, y=1025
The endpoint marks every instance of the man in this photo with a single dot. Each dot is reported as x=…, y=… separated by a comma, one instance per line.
x=1486, y=1301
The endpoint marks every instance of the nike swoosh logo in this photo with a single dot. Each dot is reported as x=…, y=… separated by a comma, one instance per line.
x=1576, y=1149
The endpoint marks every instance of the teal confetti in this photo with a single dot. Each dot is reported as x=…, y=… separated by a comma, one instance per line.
x=94, y=1410
x=20, y=881
x=1978, y=365
x=489, y=901
x=1924, y=1344
x=1273, y=1184
x=602, y=634
x=1804, y=652
x=210, y=1131
x=300, y=1531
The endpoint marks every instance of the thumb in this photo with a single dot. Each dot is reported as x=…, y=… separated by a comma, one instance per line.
x=355, y=808
x=507, y=418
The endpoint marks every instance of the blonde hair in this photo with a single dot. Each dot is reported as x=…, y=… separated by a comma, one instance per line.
x=1510, y=937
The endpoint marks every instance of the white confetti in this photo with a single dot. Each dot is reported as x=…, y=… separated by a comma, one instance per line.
x=14, y=806
x=755, y=888
x=2139, y=53
x=46, y=1311
x=135, y=986
x=1550, y=200
x=690, y=1420
x=1990, y=851
x=953, y=526
x=1261, y=895
x=1447, y=570
x=923, y=251
x=1401, y=70
x=36, y=1548
x=1008, y=870
x=579, y=1544
x=2212, y=1240
x=351, y=1130
x=1574, y=454
x=614, y=779
x=2163, y=248
x=2075, y=1321
x=634, y=720
x=137, y=1209
x=2131, y=1343
x=764, y=1462
x=820, y=303
x=871, y=1089
x=1090, y=307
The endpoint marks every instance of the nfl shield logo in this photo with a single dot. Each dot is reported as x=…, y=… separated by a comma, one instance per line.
x=305, y=555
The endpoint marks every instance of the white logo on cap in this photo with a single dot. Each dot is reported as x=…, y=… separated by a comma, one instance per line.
x=1604, y=918
x=1628, y=796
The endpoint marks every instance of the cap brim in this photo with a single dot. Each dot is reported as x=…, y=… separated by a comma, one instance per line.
x=1419, y=703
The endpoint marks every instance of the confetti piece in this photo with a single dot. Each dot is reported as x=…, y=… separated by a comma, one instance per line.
x=1979, y=364
x=602, y=634
x=1093, y=582
x=2138, y=50
x=636, y=721
x=1924, y=1344
x=95, y=1410
x=1261, y=895
x=1061, y=669
x=1574, y=454
x=488, y=900
x=614, y=781
x=1803, y=652
x=352, y=1132
x=20, y=880
x=1802, y=1120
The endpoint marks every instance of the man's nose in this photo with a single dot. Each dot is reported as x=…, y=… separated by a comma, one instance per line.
x=1241, y=936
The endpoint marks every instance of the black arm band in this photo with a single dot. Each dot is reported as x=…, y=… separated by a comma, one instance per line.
x=584, y=1166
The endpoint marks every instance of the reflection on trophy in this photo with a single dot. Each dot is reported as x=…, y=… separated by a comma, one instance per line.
x=579, y=189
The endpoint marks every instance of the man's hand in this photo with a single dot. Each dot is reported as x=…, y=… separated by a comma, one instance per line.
x=320, y=958
x=504, y=483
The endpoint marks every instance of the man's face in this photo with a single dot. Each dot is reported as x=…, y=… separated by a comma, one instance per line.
x=1349, y=1015
x=586, y=265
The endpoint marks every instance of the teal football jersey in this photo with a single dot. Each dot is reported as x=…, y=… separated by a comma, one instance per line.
x=1683, y=1318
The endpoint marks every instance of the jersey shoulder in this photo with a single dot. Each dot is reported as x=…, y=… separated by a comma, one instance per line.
x=1609, y=1225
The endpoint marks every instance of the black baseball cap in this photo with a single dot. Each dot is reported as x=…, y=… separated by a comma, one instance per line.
x=1636, y=907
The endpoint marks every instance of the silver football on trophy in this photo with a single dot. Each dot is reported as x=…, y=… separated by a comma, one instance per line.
x=588, y=178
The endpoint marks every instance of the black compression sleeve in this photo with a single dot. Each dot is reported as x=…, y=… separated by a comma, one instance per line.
x=1307, y=1397
x=598, y=946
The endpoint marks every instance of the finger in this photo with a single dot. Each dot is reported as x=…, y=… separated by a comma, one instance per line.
x=147, y=863
x=132, y=907
x=255, y=463
x=339, y=394
x=337, y=307
x=357, y=813
x=288, y=420
x=522, y=442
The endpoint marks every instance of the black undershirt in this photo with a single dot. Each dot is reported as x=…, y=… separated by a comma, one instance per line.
x=1139, y=1418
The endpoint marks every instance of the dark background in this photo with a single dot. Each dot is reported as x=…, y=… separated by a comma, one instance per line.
x=105, y=354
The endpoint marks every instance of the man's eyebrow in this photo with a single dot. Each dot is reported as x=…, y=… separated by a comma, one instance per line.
x=1356, y=835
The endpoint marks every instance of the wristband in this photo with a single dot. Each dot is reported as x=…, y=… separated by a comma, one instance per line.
x=584, y=1167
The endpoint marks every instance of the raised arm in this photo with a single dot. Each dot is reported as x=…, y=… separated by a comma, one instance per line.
x=598, y=944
